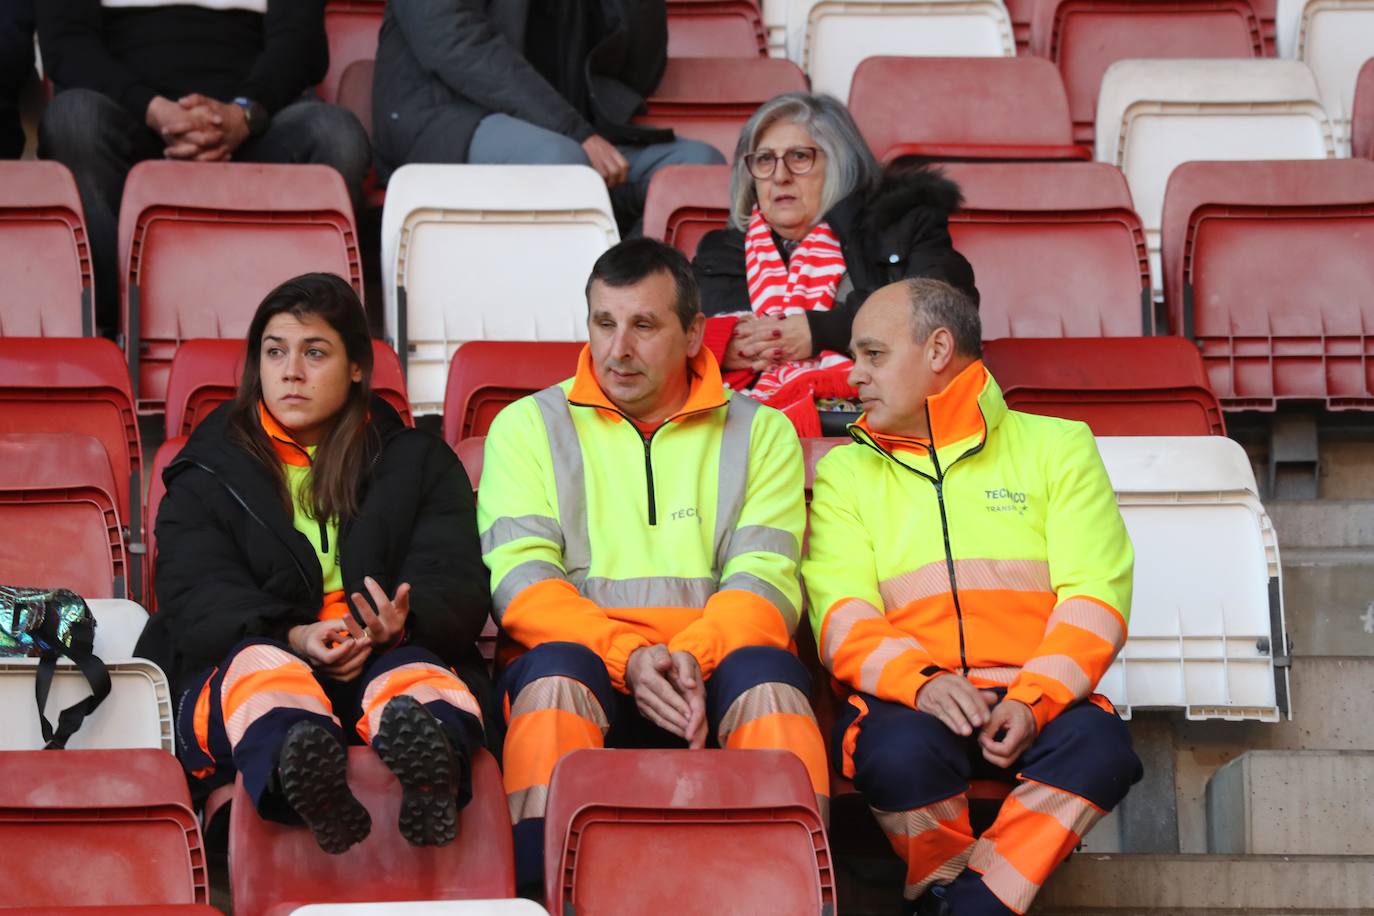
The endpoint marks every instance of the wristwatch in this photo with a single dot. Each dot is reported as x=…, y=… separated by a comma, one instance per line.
x=254, y=114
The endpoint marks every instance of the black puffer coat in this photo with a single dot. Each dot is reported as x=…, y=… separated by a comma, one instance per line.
x=231, y=564
x=899, y=231
x=457, y=61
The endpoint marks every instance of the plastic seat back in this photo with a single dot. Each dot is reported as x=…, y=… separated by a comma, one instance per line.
x=1335, y=38
x=58, y=509
x=351, y=27
x=1056, y=249
x=1268, y=269
x=1207, y=603
x=76, y=385
x=201, y=244
x=710, y=831
x=273, y=864
x=1362, y=117
x=1119, y=386
x=1155, y=114
x=487, y=252
x=716, y=28
x=963, y=108
x=136, y=714
x=45, y=254
x=685, y=202
x=813, y=450
x=157, y=489
x=831, y=37
x=711, y=98
x=1085, y=37
x=355, y=91
x=119, y=623
x=516, y=907
x=122, y=819
x=470, y=452
x=486, y=375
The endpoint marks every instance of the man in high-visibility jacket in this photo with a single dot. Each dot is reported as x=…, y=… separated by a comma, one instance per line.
x=643, y=528
x=969, y=577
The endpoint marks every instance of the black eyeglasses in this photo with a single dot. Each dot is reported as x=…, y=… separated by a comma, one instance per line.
x=798, y=160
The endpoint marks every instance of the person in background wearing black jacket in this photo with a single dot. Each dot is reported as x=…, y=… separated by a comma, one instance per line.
x=319, y=574
x=16, y=69
x=196, y=80
x=552, y=82
x=823, y=227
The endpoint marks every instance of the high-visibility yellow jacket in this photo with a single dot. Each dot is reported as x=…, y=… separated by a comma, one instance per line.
x=1002, y=556
x=598, y=534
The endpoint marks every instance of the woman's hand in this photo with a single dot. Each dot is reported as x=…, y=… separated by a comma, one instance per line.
x=774, y=340
x=330, y=647
x=386, y=625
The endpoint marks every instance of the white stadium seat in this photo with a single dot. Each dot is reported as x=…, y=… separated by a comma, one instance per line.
x=829, y=38
x=1207, y=612
x=1334, y=38
x=487, y=252
x=1153, y=115
x=117, y=626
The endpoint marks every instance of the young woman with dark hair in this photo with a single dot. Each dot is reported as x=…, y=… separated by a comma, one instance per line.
x=320, y=582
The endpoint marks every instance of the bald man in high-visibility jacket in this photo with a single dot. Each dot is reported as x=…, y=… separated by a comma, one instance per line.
x=643, y=528
x=969, y=577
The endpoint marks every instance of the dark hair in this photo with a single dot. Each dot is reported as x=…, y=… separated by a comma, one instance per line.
x=343, y=454
x=936, y=304
x=634, y=260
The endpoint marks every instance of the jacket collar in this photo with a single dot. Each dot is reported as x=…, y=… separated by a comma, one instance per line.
x=961, y=417
x=287, y=448
x=707, y=389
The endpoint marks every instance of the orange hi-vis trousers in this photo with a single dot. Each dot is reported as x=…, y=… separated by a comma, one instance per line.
x=234, y=718
x=914, y=773
x=558, y=698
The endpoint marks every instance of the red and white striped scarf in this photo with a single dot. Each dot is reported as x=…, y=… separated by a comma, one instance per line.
x=805, y=282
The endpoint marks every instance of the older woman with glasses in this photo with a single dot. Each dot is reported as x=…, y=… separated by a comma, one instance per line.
x=816, y=226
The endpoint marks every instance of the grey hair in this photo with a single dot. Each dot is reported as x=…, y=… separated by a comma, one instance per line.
x=936, y=304
x=849, y=163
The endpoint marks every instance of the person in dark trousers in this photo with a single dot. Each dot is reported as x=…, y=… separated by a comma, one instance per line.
x=16, y=69
x=320, y=583
x=195, y=80
x=553, y=82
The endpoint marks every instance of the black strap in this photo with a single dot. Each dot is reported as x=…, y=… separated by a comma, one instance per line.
x=70, y=719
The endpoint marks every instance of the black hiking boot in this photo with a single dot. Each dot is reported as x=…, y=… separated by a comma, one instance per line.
x=313, y=769
x=414, y=746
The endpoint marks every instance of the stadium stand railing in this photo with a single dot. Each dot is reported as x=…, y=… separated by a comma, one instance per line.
x=487, y=252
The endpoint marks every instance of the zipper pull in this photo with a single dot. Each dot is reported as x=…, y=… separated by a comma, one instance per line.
x=324, y=537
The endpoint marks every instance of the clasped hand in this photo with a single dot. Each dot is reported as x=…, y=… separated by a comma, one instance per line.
x=669, y=691
x=1005, y=729
x=340, y=648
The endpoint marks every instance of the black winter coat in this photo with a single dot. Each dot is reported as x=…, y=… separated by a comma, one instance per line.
x=899, y=231
x=231, y=565
x=461, y=60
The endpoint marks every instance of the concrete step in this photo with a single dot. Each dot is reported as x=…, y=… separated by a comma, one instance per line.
x=1292, y=803
x=1313, y=523
x=1204, y=884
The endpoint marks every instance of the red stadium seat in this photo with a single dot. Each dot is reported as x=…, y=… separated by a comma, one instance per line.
x=45, y=256
x=57, y=509
x=954, y=108
x=205, y=373
x=1267, y=12
x=685, y=202
x=1056, y=249
x=1021, y=12
x=355, y=91
x=1362, y=114
x=716, y=28
x=351, y=26
x=486, y=375
x=1267, y=267
x=202, y=243
x=470, y=452
x=156, y=490
x=102, y=828
x=813, y=450
x=77, y=385
x=1119, y=386
x=170, y=909
x=645, y=830
x=274, y=867
x=1085, y=37
x=709, y=99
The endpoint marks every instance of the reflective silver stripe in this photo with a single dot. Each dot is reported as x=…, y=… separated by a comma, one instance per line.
x=763, y=539
x=749, y=582
x=733, y=475
x=520, y=578
x=569, y=479
x=508, y=528
x=649, y=591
